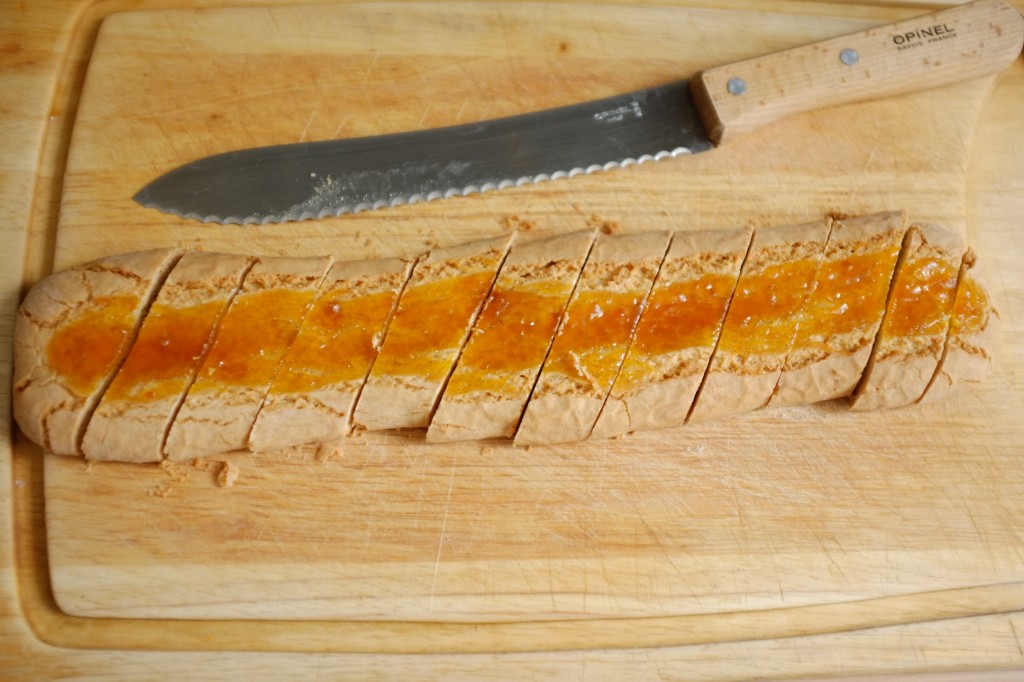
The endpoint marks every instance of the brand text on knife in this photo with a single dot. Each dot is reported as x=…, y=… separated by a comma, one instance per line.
x=931, y=34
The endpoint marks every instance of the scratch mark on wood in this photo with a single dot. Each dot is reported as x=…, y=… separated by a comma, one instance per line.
x=444, y=524
x=1016, y=637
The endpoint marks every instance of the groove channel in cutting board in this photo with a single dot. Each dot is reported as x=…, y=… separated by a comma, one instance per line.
x=786, y=508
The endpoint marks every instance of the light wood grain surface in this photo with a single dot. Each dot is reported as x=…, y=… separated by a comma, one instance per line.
x=839, y=548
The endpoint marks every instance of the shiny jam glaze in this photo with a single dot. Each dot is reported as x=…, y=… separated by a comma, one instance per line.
x=763, y=314
x=170, y=343
x=678, y=316
x=922, y=297
x=511, y=335
x=253, y=337
x=595, y=334
x=850, y=294
x=683, y=315
x=87, y=349
x=336, y=342
x=970, y=309
x=429, y=326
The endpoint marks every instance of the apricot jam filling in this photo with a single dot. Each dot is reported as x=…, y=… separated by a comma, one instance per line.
x=921, y=299
x=512, y=335
x=849, y=295
x=336, y=342
x=683, y=314
x=253, y=337
x=86, y=349
x=596, y=331
x=168, y=346
x=763, y=314
x=970, y=308
x=678, y=316
x=429, y=326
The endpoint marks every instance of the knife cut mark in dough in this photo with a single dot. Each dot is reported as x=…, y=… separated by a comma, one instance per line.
x=974, y=341
x=916, y=323
x=435, y=312
x=676, y=333
x=313, y=394
x=837, y=327
x=761, y=322
x=72, y=332
x=134, y=415
x=592, y=338
x=251, y=341
x=496, y=370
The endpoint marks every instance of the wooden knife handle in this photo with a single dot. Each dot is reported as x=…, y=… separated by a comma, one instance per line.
x=928, y=51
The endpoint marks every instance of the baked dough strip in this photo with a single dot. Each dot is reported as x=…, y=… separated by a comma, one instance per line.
x=71, y=336
x=974, y=340
x=840, y=322
x=137, y=409
x=313, y=394
x=761, y=323
x=491, y=384
x=593, y=338
x=251, y=342
x=59, y=382
x=435, y=314
x=675, y=337
x=910, y=341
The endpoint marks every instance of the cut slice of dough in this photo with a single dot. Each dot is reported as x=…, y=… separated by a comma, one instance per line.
x=676, y=333
x=974, y=342
x=760, y=324
x=131, y=421
x=71, y=333
x=252, y=339
x=312, y=396
x=592, y=338
x=916, y=321
x=434, y=315
x=838, y=325
x=497, y=369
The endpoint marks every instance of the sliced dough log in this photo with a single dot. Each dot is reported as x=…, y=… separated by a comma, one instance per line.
x=71, y=333
x=252, y=339
x=592, y=338
x=916, y=322
x=434, y=315
x=131, y=421
x=497, y=369
x=313, y=394
x=974, y=343
x=760, y=325
x=837, y=327
x=676, y=333
x=257, y=387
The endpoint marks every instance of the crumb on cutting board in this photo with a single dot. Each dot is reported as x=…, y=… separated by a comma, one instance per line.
x=605, y=226
x=329, y=451
x=227, y=474
x=512, y=223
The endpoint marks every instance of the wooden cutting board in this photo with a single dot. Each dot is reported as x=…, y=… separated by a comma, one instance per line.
x=781, y=522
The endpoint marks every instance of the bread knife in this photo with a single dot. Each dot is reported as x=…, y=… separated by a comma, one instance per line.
x=332, y=177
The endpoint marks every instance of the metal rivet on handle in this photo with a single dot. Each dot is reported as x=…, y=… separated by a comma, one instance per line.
x=849, y=56
x=736, y=86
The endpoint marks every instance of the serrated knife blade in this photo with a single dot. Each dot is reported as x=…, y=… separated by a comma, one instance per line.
x=332, y=177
